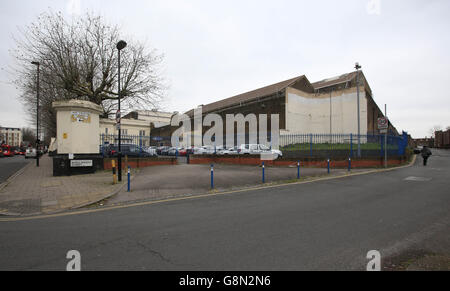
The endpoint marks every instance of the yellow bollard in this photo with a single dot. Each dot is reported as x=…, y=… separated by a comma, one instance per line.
x=113, y=162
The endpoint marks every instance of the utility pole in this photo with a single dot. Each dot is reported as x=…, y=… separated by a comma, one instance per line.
x=357, y=67
x=37, y=113
x=120, y=46
x=331, y=117
x=385, y=139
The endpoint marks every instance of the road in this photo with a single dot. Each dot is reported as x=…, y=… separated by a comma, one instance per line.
x=326, y=225
x=10, y=165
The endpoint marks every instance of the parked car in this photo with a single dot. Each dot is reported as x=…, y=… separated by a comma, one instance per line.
x=129, y=150
x=257, y=149
x=7, y=151
x=103, y=149
x=162, y=151
x=22, y=151
x=190, y=151
x=30, y=153
x=182, y=152
x=151, y=151
x=172, y=151
x=227, y=152
x=205, y=150
x=418, y=150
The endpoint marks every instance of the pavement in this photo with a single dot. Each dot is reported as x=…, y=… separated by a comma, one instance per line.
x=326, y=225
x=35, y=191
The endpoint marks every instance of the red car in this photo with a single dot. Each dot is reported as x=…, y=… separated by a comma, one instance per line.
x=7, y=151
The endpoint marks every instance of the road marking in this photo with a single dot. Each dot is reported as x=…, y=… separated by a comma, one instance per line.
x=202, y=196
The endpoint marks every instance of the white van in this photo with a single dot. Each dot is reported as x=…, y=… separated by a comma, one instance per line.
x=257, y=149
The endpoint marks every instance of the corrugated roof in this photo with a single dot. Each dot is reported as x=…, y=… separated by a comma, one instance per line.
x=334, y=81
x=340, y=80
x=249, y=96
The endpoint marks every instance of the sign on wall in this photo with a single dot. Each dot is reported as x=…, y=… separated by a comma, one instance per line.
x=81, y=163
x=84, y=117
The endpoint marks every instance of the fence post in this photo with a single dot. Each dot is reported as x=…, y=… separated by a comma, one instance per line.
x=129, y=179
x=311, y=144
x=102, y=145
x=298, y=170
x=351, y=145
x=263, y=173
x=212, y=176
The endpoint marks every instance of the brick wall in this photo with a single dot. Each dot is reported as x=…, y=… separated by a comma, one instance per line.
x=140, y=162
x=320, y=163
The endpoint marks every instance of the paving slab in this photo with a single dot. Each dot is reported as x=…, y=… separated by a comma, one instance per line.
x=35, y=190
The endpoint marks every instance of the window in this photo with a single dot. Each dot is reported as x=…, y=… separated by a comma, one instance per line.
x=106, y=130
x=124, y=131
x=142, y=132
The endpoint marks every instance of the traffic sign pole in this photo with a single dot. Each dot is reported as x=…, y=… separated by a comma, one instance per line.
x=385, y=139
x=383, y=126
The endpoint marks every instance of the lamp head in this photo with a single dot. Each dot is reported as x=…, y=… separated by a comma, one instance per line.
x=357, y=66
x=35, y=63
x=121, y=45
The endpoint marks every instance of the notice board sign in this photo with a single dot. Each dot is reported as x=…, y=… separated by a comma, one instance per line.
x=81, y=163
x=84, y=117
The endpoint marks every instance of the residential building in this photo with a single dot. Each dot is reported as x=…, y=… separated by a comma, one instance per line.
x=135, y=127
x=11, y=136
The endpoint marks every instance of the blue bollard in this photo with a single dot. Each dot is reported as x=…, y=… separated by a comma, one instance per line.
x=328, y=166
x=263, y=173
x=129, y=179
x=349, y=164
x=212, y=176
x=298, y=170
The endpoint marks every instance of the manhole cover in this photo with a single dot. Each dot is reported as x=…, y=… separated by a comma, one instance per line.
x=418, y=179
x=21, y=206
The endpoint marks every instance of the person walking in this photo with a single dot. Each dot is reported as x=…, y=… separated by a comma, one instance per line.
x=426, y=153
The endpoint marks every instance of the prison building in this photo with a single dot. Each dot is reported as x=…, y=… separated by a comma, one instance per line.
x=325, y=107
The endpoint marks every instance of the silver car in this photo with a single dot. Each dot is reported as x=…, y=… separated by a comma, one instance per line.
x=30, y=153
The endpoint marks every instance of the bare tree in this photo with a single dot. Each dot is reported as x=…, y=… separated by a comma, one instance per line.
x=79, y=61
x=28, y=135
x=433, y=130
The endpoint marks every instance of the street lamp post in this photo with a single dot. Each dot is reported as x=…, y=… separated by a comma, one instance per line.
x=120, y=46
x=357, y=67
x=37, y=113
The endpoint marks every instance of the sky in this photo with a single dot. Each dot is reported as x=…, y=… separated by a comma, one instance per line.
x=218, y=49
